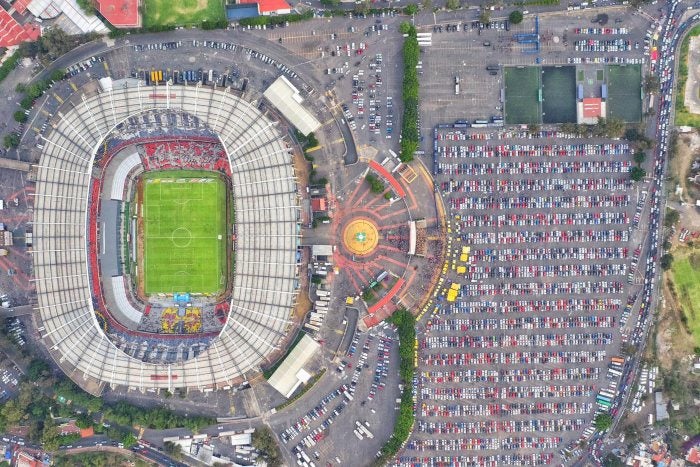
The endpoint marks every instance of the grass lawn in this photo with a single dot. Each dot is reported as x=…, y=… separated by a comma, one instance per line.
x=184, y=230
x=181, y=12
x=686, y=279
x=683, y=117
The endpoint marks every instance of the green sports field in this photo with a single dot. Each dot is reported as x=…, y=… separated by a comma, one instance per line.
x=686, y=280
x=624, y=92
x=559, y=94
x=184, y=232
x=182, y=12
x=522, y=88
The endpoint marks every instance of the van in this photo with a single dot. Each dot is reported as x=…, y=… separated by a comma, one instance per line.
x=487, y=43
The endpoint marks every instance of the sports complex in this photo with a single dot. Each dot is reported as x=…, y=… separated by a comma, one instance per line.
x=572, y=94
x=166, y=237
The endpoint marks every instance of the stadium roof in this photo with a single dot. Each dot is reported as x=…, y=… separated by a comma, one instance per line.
x=264, y=288
x=121, y=13
x=287, y=377
x=12, y=33
x=283, y=95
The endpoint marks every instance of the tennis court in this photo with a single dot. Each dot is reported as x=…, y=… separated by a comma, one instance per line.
x=559, y=94
x=624, y=92
x=522, y=88
x=184, y=232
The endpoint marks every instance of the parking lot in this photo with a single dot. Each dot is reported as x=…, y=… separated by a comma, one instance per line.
x=465, y=48
x=541, y=250
x=365, y=392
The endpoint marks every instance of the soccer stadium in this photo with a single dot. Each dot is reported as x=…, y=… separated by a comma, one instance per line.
x=166, y=236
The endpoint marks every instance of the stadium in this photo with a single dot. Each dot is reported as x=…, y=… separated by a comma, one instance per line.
x=166, y=236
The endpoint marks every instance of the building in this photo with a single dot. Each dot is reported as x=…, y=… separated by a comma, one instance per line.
x=69, y=16
x=5, y=236
x=269, y=7
x=319, y=205
x=590, y=109
x=12, y=33
x=121, y=13
x=286, y=98
x=693, y=456
x=661, y=410
x=291, y=374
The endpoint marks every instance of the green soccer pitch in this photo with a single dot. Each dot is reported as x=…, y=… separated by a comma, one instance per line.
x=184, y=232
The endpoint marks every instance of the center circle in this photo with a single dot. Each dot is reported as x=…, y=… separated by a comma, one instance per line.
x=181, y=237
x=361, y=236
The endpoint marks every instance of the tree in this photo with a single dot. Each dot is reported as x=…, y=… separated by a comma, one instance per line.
x=57, y=75
x=411, y=9
x=83, y=421
x=485, y=16
x=515, y=17
x=651, y=83
x=405, y=27
x=611, y=460
x=639, y=157
x=330, y=3
x=11, y=140
x=568, y=128
x=87, y=6
x=666, y=261
x=533, y=128
x=20, y=116
x=51, y=438
x=637, y=173
x=29, y=49
x=452, y=4
x=38, y=368
x=426, y=4
x=128, y=440
x=602, y=421
x=174, y=450
x=672, y=217
x=266, y=445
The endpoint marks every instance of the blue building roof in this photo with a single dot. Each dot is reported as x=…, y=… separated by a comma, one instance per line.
x=236, y=12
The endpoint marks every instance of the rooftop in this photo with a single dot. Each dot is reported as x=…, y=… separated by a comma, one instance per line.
x=121, y=13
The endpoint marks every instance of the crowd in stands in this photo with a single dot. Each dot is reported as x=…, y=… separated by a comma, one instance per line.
x=190, y=323
x=179, y=153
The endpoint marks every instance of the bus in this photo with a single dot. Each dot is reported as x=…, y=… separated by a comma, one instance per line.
x=619, y=360
x=614, y=372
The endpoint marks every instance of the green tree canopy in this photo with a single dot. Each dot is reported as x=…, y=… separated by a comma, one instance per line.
x=672, y=217
x=603, y=421
x=11, y=140
x=515, y=17
x=666, y=261
x=20, y=116
x=411, y=9
x=637, y=173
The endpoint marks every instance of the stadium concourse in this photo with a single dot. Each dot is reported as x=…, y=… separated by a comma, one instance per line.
x=71, y=311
